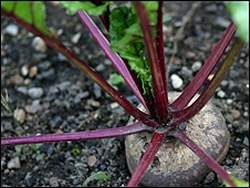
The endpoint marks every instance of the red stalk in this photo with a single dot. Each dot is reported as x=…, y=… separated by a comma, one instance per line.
x=146, y=160
x=211, y=163
x=160, y=45
x=159, y=84
x=84, y=67
x=78, y=136
x=189, y=112
x=114, y=57
x=205, y=70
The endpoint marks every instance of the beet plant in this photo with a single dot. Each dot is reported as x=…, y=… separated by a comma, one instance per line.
x=133, y=42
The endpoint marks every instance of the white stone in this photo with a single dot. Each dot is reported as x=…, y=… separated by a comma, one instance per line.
x=24, y=70
x=196, y=66
x=14, y=163
x=76, y=38
x=176, y=81
x=221, y=94
x=19, y=115
x=39, y=44
x=12, y=29
x=35, y=92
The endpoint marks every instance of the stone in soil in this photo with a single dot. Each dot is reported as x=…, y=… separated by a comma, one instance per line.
x=19, y=115
x=39, y=44
x=24, y=70
x=33, y=72
x=221, y=94
x=196, y=66
x=14, y=163
x=12, y=29
x=97, y=91
x=176, y=81
x=92, y=160
x=35, y=107
x=35, y=92
x=235, y=114
x=186, y=73
x=76, y=38
x=53, y=182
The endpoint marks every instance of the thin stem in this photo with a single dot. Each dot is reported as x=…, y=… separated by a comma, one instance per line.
x=160, y=46
x=84, y=67
x=146, y=160
x=205, y=70
x=114, y=57
x=190, y=111
x=159, y=85
x=78, y=136
x=211, y=163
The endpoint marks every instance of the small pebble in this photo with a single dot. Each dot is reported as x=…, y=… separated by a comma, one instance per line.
x=22, y=90
x=19, y=115
x=39, y=45
x=33, y=72
x=61, y=57
x=14, y=163
x=246, y=141
x=186, y=73
x=27, y=81
x=76, y=38
x=35, y=107
x=235, y=114
x=17, y=79
x=24, y=70
x=114, y=105
x=92, y=160
x=97, y=91
x=53, y=182
x=35, y=92
x=56, y=121
x=12, y=29
x=176, y=81
x=190, y=55
x=229, y=101
x=29, y=179
x=93, y=103
x=100, y=67
x=222, y=22
x=221, y=94
x=196, y=66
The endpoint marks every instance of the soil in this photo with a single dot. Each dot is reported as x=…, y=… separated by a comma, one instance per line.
x=71, y=102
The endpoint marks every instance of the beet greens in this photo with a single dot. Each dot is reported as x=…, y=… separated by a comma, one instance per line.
x=135, y=47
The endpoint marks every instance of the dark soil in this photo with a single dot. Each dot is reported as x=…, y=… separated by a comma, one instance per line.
x=71, y=102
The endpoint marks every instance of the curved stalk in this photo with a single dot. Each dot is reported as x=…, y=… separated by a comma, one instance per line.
x=211, y=163
x=205, y=70
x=114, y=57
x=159, y=84
x=147, y=159
x=54, y=43
x=189, y=112
x=78, y=136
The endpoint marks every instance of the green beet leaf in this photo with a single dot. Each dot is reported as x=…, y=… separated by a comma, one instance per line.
x=239, y=11
x=127, y=40
x=31, y=12
x=92, y=9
